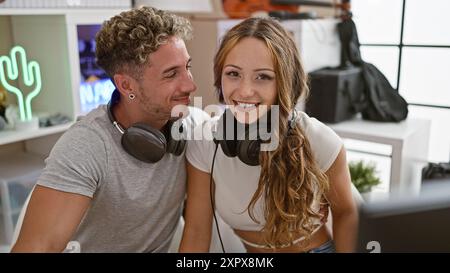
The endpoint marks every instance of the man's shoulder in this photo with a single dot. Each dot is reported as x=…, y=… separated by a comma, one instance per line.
x=99, y=113
x=90, y=126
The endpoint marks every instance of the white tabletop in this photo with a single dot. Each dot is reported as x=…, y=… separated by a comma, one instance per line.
x=365, y=129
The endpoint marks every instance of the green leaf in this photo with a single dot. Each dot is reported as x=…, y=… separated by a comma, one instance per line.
x=363, y=175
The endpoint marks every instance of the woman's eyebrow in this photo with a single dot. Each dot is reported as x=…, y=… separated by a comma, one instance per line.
x=264, y=69
x=233, y=65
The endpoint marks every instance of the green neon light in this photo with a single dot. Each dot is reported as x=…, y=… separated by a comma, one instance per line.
x=31, y=73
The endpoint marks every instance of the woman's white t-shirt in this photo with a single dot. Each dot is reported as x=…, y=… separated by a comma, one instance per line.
x=237, y=182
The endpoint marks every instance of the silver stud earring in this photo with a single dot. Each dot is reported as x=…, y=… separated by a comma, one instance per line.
x=131, y=96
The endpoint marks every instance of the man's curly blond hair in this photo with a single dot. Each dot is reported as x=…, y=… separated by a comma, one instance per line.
x=125, y=41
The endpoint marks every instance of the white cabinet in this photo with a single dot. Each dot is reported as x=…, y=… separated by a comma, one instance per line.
x=50, y=37
x=405, y=144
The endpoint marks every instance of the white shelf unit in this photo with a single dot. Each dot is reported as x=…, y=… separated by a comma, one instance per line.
x=12, y=136
x=50, y=37
x=59, y=4
x=19, y=173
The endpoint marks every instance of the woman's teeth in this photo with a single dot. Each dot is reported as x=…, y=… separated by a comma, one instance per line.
x=246, y=105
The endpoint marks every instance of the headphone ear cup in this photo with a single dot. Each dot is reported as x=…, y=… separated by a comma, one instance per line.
x=249, y=147
x=180, y=147
x=177, y=142
x=144, y=143
x=248, y=151
x=227, y=143
x=176, y=147
x=229, y=147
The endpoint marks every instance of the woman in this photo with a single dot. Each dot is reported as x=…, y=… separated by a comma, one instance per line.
x=273, y=206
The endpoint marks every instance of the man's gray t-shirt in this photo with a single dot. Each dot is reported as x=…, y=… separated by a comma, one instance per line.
x=135, y=206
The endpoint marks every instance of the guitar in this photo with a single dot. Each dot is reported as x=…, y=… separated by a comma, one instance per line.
x=245, y=8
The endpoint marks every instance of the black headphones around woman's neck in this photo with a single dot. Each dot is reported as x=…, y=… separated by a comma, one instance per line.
x=236, y=139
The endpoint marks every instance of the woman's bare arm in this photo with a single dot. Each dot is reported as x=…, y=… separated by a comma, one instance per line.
x=198, y=212
x=343, y=206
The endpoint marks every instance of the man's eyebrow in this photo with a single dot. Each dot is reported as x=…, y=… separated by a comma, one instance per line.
x=175, y=67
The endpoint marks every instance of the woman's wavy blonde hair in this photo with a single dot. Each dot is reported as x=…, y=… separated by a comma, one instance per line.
x=290, y=180
x=125, y=41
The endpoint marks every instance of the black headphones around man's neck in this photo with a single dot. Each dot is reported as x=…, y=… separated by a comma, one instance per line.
x=144, y=142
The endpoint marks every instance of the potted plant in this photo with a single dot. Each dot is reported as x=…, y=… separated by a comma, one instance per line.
x=363, y=176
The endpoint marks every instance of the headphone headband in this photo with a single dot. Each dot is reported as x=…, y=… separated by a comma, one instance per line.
x=292, y=122
x=115, y=97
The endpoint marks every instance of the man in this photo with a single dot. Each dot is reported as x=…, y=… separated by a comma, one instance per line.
x=95, y=189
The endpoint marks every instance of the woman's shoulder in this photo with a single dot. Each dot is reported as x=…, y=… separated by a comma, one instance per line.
x=325, y=143
x=200, y=145
x=310, y=124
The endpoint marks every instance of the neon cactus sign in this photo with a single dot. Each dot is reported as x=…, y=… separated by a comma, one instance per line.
x=31, y=73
